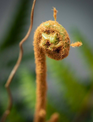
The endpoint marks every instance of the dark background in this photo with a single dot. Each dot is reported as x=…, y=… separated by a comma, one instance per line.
x=69, y=81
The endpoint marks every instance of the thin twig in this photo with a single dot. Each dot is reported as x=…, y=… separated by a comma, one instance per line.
x=6, y=113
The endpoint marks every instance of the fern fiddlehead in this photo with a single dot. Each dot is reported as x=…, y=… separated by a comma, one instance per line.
x=53, y=39
x=50, y=39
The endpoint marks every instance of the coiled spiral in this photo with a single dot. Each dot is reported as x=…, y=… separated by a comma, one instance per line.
x=53, y=39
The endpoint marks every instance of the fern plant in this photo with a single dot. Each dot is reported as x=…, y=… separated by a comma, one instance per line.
x=75, y=99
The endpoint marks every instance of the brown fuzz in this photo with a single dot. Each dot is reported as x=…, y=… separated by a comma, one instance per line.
x=58, y=48
x=55, y=13
x=52, y=39
x=76, y=44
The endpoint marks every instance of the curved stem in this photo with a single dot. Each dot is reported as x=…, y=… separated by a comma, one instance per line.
x=40, y=61
x=6, y=113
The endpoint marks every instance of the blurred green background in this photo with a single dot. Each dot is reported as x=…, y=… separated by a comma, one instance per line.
x=70, y=81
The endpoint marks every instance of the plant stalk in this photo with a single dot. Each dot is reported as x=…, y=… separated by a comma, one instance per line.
x=40, y=60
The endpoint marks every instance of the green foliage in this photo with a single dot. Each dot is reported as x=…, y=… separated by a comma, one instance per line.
x=51, y=109
x=18, y=117
x=27, y=89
